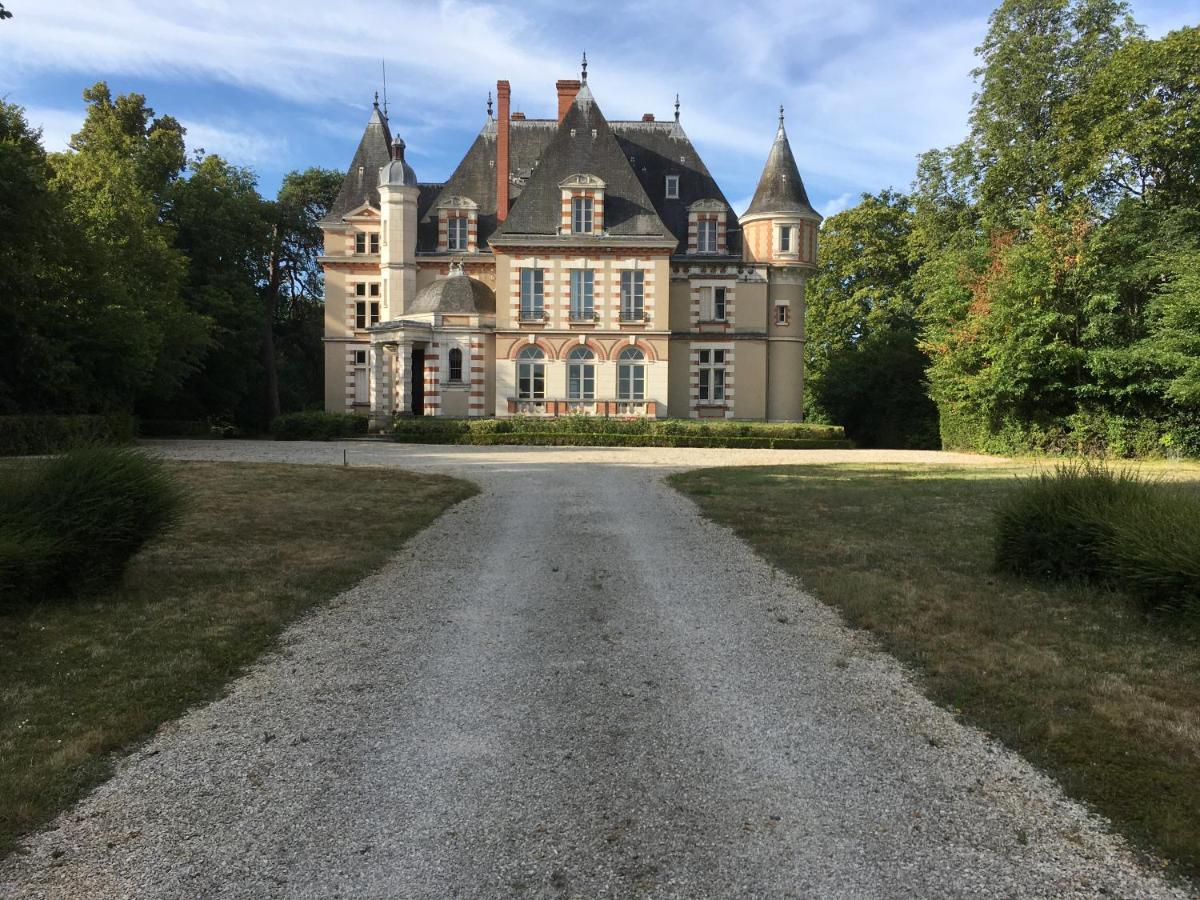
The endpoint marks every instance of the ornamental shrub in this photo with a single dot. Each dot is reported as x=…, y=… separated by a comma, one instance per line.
x=70, y=524
x=36, y=435
x=317, y=426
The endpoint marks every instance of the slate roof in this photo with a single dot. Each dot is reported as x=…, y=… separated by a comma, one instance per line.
x=583, y=143
x=457, y=295
x=780, y=189
x=361, y=184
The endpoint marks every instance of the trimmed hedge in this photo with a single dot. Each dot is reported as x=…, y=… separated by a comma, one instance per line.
x=1088, y=522
x=317, y=426
x=70, y=524
x=596, y=431
x=36, y=435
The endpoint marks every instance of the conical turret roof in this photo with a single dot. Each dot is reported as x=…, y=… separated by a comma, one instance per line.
x=362, y=180
x=780, y=189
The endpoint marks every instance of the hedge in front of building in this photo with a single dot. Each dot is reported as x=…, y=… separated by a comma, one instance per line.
x=36, y=435
x=317, y=426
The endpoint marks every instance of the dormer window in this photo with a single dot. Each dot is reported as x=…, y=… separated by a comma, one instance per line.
x=366, y=242
x=458, y=225
x=672, y=187
x=456, y=233
x=581, y=215
x=706, y=236
x=706, y=226
x=373, y=241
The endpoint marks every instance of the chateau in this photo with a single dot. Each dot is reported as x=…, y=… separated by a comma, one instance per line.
x=569, y=265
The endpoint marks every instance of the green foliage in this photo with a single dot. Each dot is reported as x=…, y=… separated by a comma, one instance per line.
x=34, y=435
x=1090, y=522
x=69, y=525
x=599, y=431
x=317, y=426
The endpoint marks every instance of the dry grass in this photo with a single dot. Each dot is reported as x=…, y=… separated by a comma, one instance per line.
x=1077, y=679
x=261, y=544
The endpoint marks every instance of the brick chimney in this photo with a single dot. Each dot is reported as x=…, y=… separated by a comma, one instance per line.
x=518, y=117
x=566, y=95
x=647, y=117
x=503, y=92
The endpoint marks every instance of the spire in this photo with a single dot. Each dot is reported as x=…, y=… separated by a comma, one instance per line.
x=489, y=104
x=583, y=74
x=780, y=189
x=376, y=103
x=676, y=107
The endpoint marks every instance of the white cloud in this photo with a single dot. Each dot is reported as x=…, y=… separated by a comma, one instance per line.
x=57, y=125
x=838, y=204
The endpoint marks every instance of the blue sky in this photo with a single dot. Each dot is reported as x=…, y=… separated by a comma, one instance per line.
x=867, y=84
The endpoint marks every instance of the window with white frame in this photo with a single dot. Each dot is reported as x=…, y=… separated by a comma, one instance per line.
x=582, y=287
x=581, y=215
x=360, y=242
x=457, y=234
x=360, y=357
x=785, y=238
x=373, y=241
x=781, y=315
x=360, y=290
x=532, y=295
x=375, y=289
x=454, y=363
x=712, y=376
x=360, y=314
x=531, y=374
x=633, y=287
x=631, y=374
x=712, y=304
x=581, y=374
x=672, y=187
x=706, y=236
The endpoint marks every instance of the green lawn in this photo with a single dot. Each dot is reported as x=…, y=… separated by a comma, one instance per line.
x=82, y=682
x=1077, y=679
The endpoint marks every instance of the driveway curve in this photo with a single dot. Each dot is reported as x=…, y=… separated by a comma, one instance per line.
x=572, y=685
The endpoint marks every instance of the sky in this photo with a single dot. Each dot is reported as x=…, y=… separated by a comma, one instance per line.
x=866, y=85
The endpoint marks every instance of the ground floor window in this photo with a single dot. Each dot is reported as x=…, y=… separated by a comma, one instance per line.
x=455, y=364
x=631, y=374
x=712, y=376
x=581, y=374
x=531, y=374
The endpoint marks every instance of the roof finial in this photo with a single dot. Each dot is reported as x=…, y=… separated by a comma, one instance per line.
x=489, y=104
x=583, y=75
x=676, y=107
x=780, y=115
x=376, y=104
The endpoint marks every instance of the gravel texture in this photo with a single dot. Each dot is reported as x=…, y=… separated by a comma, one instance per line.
x=573, y=686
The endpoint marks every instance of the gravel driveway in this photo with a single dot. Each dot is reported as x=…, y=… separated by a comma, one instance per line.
x=572, y=686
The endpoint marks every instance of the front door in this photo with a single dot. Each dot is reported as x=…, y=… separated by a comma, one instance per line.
x=418, y=381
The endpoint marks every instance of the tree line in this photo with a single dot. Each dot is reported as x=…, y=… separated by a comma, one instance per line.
x=1039, y=286
x=137, y=278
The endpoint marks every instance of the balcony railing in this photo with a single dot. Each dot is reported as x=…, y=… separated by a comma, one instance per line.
x=634, y=314
x=584, y=316
x=534, y=315
x=551, y=407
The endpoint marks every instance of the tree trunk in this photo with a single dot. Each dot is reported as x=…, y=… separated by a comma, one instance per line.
x=270, y=307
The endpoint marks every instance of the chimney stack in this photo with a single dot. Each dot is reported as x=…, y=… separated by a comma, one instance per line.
x=503, y=92
x=566, y=95
x=647, y=117
x=518, y=117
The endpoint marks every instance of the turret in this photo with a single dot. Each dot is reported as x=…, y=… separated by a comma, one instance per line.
x=780, y=226
x=398, y=227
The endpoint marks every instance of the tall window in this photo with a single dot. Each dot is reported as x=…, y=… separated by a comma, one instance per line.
x=531, y=374
x=633, y=295
x=581, y=374
x=781, y=315
x=706, y=236
x=712, y=376
x=360, y=242
x=373, y=237
x=360, y=314
x=631, y=374
x=582, y=309
x=672, y=187
x=785, y=239
x=712, y=304
x=532, y=306
x=374, y=312
x=457, y=239
x=581, y=215
x=454, y=360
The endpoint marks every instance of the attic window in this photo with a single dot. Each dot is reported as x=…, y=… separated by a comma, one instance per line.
x=360, y=171
x=581, y=215
x=672, y=187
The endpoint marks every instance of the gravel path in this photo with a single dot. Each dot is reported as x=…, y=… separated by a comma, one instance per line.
x=572, y=686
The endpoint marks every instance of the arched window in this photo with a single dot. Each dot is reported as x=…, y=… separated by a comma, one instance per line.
x=631, y=374
x=581, y=374
x=455, y=363
x=531, y=374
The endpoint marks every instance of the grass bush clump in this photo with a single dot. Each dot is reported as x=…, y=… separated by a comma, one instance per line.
x=317, y=426
x=34, y=435
x=1088, y=522
x=68, y=525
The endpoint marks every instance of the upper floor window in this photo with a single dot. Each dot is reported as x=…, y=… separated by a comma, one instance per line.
x=581, y=374
x=366, y=314
x=781, y=315
x=712, y=304
x=785, y=239
x=633, y=307
x=706, y=236
x=531, y=374
x=712, y=376
x=360, y=289
x=454, y=362
x=581, y=215
x=672, y=187
x=373, y=241
x=457, y=233
x=631, y=374
x=366, y=242
x=375, y=289
x=582, y=309
x=532, y=295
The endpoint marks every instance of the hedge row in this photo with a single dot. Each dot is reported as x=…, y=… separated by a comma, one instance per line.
x=593, y=439
x=444, y=429
x=187, y=428
x=35, y=435
x=69, y=524
x=317, y=426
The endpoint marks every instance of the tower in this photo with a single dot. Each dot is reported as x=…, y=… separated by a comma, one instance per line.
x=398, y=230
x=780, y=230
